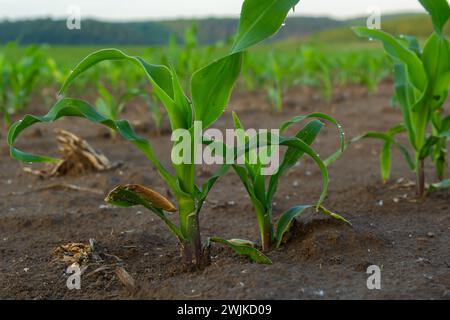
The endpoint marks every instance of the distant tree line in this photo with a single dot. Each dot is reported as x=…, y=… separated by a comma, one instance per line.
x=48, y=31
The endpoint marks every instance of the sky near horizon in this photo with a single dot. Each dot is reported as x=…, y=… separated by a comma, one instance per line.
x=127, y=10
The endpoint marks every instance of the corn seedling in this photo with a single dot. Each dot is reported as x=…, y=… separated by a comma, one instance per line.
x=19, y=78
x=110, y=106
x=422, y=80
x=275, y=87
x=317, y=71
x=278, y=80
x=253, y=72
x=3, y=88
x=255, y=183
x=187, y=57
x=155, y=111
x=363, y=67
x=210, y=90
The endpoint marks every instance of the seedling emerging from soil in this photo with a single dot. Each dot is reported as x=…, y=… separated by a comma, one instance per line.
x=210, y=90
x=110, y=106
x=422, y=80
x=255, y=183
x=317, y=71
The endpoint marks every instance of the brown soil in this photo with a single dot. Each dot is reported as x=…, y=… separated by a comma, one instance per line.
x=324, y=259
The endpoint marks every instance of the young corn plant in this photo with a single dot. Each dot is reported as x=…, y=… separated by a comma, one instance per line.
x=110, y=106
x=187, y=57
x=275, y=86
x=422, y=80
x=3, y=88
x=253, y=75
x=155, y=111
x=126, y=88
x=280, y=71
x=317, y=71
x=262, y=193
x=19, y=78
x=210, y=91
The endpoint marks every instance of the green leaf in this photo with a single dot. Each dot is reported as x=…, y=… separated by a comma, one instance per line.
x=405, y=97
x=260, y=19
x=81, y=109
x=299, y=144
x=385, y=161
x=333, y=215
x=126, y=198
x=159, y=76
x=389, y=141
x=245, y=248
x=126, y=97
x=308, y=134
x=400, y=53
x=108, y=99
x=285, y=222
x=444, y=184
x=318, y=115
x=237, y=122
x=439, y=11
x=103, y=107
x=427, y=147
x=404, y=151
x=243, y=174
x=413, y=44
x=211, y=88
x=181, y=101
x=207, y=186
x=436, y=60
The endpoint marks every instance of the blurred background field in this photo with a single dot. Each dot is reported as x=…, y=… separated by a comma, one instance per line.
x=323, y=53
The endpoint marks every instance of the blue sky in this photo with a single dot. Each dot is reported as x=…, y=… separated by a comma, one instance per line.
x=163, y=9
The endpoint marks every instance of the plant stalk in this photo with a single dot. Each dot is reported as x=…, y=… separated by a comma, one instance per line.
x=266, y=240
x=421, y=177
x=192, y=249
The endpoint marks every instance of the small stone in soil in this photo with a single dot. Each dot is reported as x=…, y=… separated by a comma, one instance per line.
x=320, y=293
x=430, y=234
x=428, y=276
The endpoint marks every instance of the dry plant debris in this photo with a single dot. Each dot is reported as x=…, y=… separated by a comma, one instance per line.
x=95, y=258
x=78, y=157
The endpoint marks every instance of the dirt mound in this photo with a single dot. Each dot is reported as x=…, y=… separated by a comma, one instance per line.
x=331, y=241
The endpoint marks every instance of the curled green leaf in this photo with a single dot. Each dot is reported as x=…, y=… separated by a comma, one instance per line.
x=245, y=248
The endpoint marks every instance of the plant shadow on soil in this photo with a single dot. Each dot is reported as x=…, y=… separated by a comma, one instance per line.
x=322, y=259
